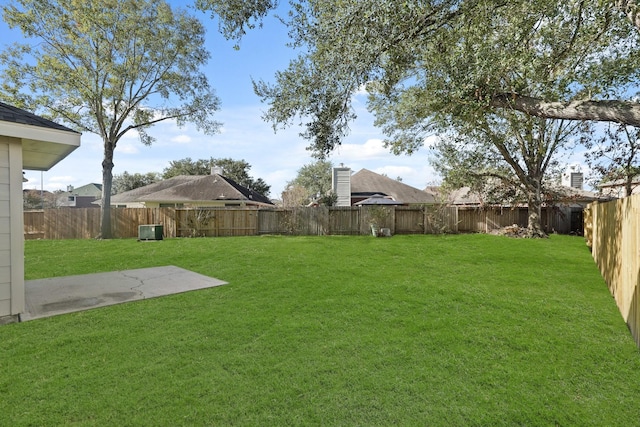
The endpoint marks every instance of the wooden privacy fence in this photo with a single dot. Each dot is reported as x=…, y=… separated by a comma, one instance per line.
x=553, y=219
x=84, y=223
x=611, y=230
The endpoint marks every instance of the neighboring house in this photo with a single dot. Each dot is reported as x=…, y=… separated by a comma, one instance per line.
x=462, y=197
x=617, y=189
x=563, y=211
x=81, y=197
x=187, y=191
x=29, y=142
x=367, y=187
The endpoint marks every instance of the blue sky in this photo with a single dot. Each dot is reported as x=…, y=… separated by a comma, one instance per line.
x=274, y=157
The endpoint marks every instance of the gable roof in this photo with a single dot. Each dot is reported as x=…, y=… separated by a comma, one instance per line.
x=137, y=193
x=368, y=183
x=189, y=189
x=44, y=143
x=92, y=189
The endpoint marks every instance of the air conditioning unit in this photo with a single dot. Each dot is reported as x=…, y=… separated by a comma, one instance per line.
x=150, y=232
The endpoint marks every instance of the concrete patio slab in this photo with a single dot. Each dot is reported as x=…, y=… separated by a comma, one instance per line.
x=59, y=295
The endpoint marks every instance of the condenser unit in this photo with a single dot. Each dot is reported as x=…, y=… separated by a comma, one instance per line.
x=150, y=232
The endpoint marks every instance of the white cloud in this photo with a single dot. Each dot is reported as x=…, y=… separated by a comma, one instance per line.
x=126, y=148
x=430, y=141
x=394, y=171
x=371, y=149
x=362, y=90
x=277, y=180
x=181, y=139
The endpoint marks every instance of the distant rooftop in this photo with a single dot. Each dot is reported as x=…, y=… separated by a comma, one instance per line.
x=367, y=183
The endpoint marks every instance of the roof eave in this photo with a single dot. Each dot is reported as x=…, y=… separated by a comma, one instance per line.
x=42, y=148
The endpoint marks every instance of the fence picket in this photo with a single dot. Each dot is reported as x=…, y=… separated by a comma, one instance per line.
x=611, y=231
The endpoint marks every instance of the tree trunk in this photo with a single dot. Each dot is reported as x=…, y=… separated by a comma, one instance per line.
x=107, y=180
x=534, y=226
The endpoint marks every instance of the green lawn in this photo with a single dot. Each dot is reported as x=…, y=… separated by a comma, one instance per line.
x=414, y=330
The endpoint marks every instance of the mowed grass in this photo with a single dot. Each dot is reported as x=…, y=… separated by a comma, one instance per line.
x=413, y=330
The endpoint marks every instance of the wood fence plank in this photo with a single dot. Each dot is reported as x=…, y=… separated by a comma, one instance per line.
x=611, y=230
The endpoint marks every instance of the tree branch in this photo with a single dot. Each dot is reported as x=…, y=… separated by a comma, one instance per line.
x=629, y=8
x=624, y=112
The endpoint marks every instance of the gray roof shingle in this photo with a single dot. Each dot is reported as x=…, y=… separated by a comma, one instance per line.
x=9, y=113
x=191, y=188
x=367, y=183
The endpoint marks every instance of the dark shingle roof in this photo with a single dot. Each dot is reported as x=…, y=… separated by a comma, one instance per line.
x=248, y=193
x=140, y=192
x=9, y=113
x=191, y=188
x=367, y=183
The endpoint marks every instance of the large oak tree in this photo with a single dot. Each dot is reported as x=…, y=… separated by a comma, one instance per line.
x=507, y=158
x=446, y=65
x=108, y=67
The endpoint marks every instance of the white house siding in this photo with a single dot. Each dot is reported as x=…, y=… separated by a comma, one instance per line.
x=11, y=238
x=5, y=233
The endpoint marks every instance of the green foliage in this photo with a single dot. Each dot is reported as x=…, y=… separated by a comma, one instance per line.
x=412, y=330
x=126, y=181
x=315, y=180
x=187, y=166
x=294, y=195
x=328, y=199
x=438, y=61
x=37, y=199
x=615, y=156
x=108, y=67
x=237, y=170
x=378, y=214
x=507, y=158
